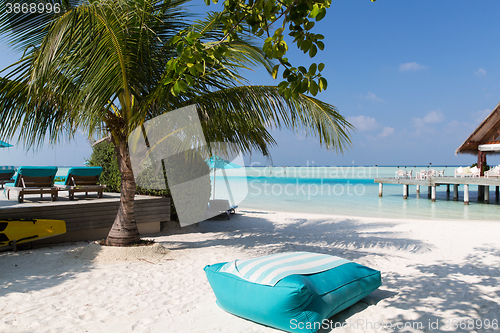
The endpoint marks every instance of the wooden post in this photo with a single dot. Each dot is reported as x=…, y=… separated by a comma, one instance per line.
x=455, y=192
x=480, y=193
x=405, y=191
x=486, y=194
x=379, y=189
x=429, y=190
x=466, y=194
x=496, y=192
x=418, y=189
x=448, y=189
x=433, y=197
x=481, y=160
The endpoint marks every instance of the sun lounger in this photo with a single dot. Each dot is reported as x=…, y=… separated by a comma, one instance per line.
x=402, y=174
x=422, y=175
x=221, y=206
x=475, y=171
x=467, y=172
x=431, y=173
x=6, y=174
x=493, y=172
x=82, y=179
x=232, y=210
x=33, y=180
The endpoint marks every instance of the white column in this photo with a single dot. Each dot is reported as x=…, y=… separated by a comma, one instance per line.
x=379, y=189
x=486, y=194
x=405, y=191
x=466, y=194
x=433, y=195
x=418, y=189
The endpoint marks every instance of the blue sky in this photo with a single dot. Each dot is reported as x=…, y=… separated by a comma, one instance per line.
x=414, y=77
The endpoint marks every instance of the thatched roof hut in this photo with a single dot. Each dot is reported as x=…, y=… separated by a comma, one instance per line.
x=485, y=138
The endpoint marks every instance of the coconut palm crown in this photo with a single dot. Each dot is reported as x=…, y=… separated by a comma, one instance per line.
x=107, y=66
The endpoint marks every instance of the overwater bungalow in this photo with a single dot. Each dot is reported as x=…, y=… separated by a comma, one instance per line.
x=484, y=140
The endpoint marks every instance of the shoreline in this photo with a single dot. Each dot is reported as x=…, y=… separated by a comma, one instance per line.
x=400, y=219
x=430, y=272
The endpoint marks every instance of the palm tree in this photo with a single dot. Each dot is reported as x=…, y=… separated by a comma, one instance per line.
x=103, y=67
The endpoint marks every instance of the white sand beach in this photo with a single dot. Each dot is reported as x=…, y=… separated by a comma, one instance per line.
x=434, y=273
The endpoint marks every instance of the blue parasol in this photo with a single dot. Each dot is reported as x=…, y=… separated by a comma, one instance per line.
x=4, y=144
x=216, y=162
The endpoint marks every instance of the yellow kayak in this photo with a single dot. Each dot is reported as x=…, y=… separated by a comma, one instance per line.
x=14, y=232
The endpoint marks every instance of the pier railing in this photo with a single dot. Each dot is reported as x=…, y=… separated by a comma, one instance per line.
x=483, y=184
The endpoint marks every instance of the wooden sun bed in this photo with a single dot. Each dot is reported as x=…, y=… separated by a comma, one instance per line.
x=6, y=177
x=33, y=185
x=84, y=179
x=221, y=206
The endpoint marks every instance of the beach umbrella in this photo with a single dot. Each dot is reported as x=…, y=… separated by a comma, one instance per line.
x=4, y=144
x=216, y=162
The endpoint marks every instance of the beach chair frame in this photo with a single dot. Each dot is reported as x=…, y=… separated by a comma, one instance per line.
x=34, y=185
x=82, y=184
x=6, y=177
x=221, y=206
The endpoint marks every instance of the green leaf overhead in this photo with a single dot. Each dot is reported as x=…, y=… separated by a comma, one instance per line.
x=105, y=67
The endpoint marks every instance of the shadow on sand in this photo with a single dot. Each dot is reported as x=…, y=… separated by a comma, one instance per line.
x=32, y=270
x=347, y=238
x=423, y=301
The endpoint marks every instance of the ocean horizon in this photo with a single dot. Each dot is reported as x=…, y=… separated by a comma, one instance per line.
x=343, y=190
x=347, y=191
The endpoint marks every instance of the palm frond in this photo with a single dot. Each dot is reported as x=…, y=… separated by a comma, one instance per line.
x=98, y=65
x=25, y=29
x=242, y=115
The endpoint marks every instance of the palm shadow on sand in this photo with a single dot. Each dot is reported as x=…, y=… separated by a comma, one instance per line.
x=433, y=293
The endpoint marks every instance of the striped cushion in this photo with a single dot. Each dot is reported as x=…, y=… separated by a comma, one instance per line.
x=271, y=269
x=294, y=291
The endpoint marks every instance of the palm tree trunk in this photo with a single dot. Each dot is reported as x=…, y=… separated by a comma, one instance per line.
x=124, y=230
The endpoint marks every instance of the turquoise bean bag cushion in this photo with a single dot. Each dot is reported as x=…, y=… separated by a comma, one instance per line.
x=293, y=291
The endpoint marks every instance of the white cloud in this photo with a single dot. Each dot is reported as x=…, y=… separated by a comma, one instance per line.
x=432, y=117
x=371, y=97
x=417, y=123
x=364, y=123
x=386, y=132
x=480, y=72
x=411, y=67
x=458, y=129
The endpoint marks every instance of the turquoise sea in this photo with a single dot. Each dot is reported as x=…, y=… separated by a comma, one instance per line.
x=346, y=191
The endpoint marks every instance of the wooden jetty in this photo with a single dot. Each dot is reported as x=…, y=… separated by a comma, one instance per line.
x=87, y=218
x=483, y=184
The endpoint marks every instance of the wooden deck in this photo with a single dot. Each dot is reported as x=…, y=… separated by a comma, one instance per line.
x=483, y=184
x=87, y=218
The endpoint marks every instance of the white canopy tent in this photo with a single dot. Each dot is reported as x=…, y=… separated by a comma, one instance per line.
x=490, y=147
